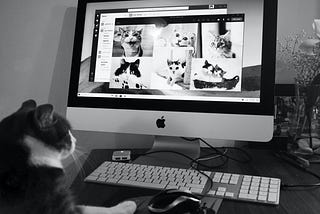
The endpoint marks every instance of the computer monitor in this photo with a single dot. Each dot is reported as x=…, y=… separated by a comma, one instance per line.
x=182, y=68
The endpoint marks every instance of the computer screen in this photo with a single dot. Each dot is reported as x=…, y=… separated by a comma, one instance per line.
x=189, y=68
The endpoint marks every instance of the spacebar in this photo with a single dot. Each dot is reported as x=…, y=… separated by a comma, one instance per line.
x=141, y=184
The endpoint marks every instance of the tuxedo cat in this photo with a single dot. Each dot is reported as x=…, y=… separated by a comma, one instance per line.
x=128, y=68
x=131, y=41
x=176, y=71
x=33, y=141
x=128, y=74
x=214, y=73
x=222, y=44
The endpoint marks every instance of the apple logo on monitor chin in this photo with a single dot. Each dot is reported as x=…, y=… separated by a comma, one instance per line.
x=160, y=122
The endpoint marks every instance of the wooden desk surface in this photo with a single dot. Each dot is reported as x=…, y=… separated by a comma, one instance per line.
x=263, y=163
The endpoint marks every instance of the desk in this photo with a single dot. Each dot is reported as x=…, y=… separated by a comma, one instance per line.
x=263, y=163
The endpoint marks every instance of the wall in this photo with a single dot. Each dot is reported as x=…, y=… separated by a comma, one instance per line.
x=36, y=41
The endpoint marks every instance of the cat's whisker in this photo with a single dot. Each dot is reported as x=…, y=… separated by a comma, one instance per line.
x=81, y=149
x=84, y=157
x=89, y=161
x=79, y=166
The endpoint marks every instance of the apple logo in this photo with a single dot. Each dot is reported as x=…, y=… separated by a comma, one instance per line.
x=160, y=122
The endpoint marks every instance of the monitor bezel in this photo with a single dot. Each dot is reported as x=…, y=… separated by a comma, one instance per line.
x=265, y=107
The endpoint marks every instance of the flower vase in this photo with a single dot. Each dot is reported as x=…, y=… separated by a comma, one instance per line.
x=305, y=127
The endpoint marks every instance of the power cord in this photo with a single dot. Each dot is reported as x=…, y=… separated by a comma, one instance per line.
x=295, y=186
x=248, y=158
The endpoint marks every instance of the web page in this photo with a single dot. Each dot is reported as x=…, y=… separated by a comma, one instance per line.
x=180, y=53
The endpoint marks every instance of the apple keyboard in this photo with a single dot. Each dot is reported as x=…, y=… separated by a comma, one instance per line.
x=224, y=185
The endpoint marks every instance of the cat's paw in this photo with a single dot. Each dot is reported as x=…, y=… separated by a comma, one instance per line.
x=126, y=207
x=125, y=85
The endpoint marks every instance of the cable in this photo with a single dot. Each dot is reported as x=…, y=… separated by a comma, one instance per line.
x=247, y=160
x=285, y=157
x=289, y=186
x=210, y=157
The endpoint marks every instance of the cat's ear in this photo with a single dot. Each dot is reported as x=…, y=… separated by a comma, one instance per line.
x=122, y=62
x=137, y=62
x=121, y=30
x=44, y=116
x=140, y=31
x=192, y=36
x=28, y=105
x=206, y=62
x=227, y=35
x=183, y=64
x=169, y=62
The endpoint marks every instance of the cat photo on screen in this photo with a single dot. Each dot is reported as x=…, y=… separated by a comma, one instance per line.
x=178, y=35
x=216, y=75
x=33, y=142
x=133, y=41
x=130, y=73
x=172, y=68
x=222, y=40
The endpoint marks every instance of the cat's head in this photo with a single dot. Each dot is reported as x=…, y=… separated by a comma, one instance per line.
x=131, y=36
x=218, y=71
x=35, y=136
x=176, y=65
x=183, y=39
x=129, y=68
x=221, y=41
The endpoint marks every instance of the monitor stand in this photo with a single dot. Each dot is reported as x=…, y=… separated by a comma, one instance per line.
x=165, y=152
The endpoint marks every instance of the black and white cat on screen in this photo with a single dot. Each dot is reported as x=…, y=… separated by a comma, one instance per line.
x=33, y=141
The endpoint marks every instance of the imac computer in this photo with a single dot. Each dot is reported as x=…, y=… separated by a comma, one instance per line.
x=175, y=68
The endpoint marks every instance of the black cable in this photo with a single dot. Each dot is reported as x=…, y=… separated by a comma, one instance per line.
x=284, y=156
x=218, y=155
x=249, y=158
x=288, y=186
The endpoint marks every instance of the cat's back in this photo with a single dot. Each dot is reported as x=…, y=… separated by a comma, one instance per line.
x=32, y=180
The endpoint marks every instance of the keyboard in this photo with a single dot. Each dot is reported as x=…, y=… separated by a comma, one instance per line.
x=224, y=185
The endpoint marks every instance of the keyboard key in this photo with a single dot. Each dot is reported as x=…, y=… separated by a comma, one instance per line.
x=262, y=197
x=252, y=196
x=196, y=190
x=222, y=189
x=245, y=187
x=243, y=195
x=220, y=193
x=272, y=197
x=245, y=191
x=229, y=194
x=211, y=193
x=263, y=193
x=91, y=178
